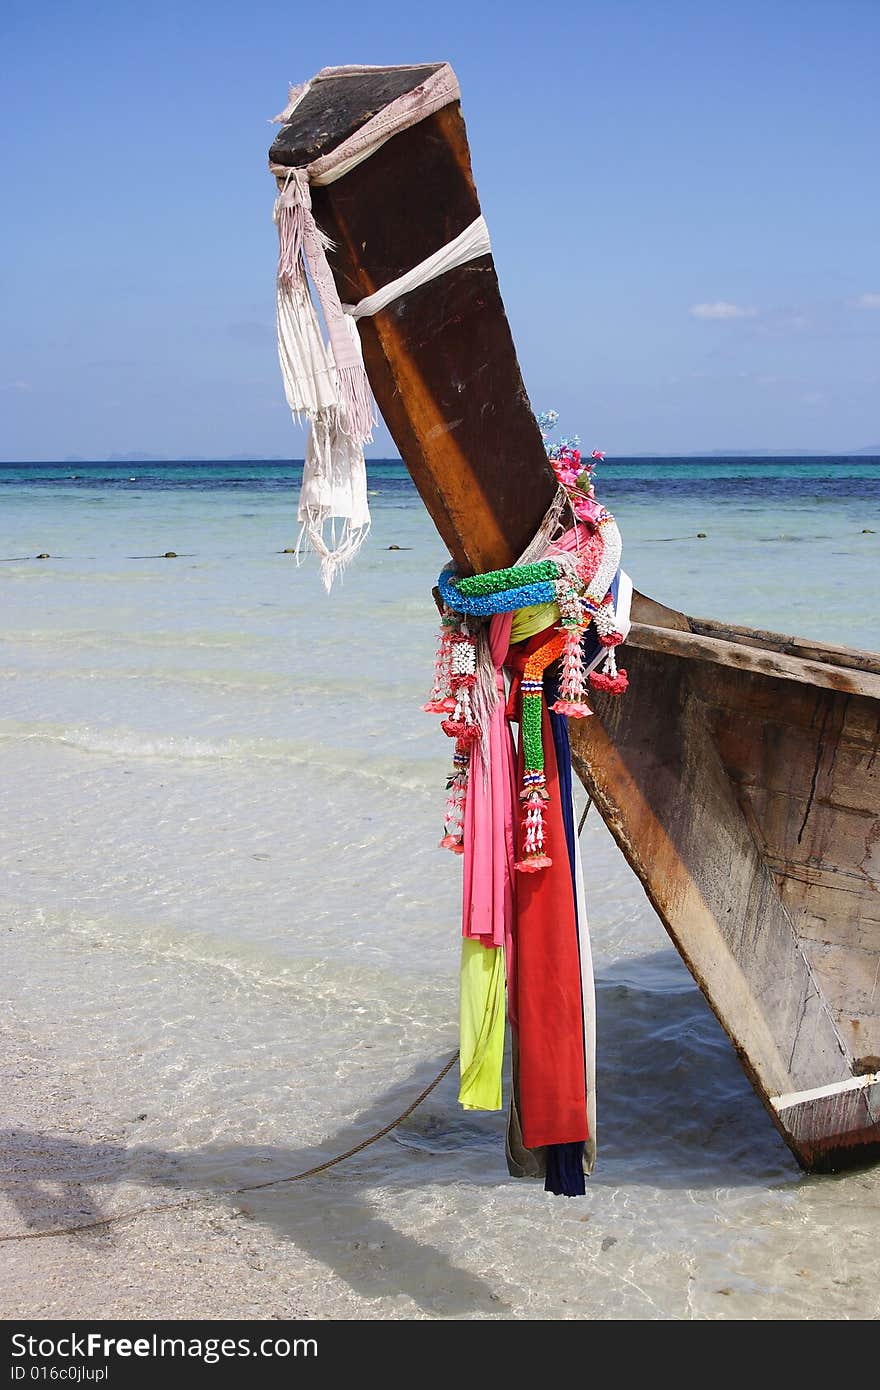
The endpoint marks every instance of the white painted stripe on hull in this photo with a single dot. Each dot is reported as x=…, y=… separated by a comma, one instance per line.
x=836, y=1088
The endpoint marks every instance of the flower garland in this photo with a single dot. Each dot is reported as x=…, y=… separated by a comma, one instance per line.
x=579, y=584
x=451, y=695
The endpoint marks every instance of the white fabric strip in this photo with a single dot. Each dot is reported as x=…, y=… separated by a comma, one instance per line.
x=294, y=97
x=588, y=986
x=327, y=382
x=438, y=90
x=307, y=368
x=334, y=474
x=361, y=69
x=467, y=246
x=315, y=389
x=835, y=1088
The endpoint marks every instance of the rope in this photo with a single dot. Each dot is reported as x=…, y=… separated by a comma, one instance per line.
x=584, y=816
x=236, y=1191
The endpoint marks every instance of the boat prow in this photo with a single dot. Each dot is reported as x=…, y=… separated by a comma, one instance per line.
x=739, y=774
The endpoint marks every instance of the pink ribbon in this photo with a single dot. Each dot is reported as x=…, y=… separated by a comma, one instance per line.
x=489, y=847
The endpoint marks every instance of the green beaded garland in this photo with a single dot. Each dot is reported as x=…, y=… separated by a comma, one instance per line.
x=496, y=581
x=533, y=748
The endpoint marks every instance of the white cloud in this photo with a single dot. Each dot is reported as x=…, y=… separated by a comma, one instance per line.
x=722, y=310
x=868, y=301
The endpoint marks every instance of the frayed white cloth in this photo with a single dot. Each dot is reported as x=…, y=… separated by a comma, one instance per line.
x=326, y=382
x=306, y=363
x=334, y=475
x=334, y=488
x=467, y=246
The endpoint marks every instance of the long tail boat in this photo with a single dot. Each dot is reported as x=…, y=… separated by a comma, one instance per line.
x=740, y=774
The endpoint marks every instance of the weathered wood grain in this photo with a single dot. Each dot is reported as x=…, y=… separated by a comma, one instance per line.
x=804, y=766
x=835, y=1131
x=747, y=804
x=335, y=107
x=754, y=657
x=803, y=647
x=657, y=777
x=648, y=611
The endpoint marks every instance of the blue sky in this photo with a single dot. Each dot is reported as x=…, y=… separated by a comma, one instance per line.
x=683, y=200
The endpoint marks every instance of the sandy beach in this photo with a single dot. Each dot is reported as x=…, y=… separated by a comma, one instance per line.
x=203, y=1263
x=231, y=946
x=342, y=1247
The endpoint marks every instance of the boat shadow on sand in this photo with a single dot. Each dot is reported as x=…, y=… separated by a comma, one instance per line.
x=57, y=1183
x=675, y=1112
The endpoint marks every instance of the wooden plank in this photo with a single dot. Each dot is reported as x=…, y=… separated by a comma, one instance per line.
x=803, y=763
x=752, y=658
x=649, y=611
x=804, y=647
x=654, y=614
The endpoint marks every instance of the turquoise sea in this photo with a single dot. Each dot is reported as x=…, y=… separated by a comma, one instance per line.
x=228, y=931
x=803, y=517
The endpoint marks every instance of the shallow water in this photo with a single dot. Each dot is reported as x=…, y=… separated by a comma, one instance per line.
x=222, y=908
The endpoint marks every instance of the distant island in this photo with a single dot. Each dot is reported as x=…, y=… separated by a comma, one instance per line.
x=784, y=453
x=138, y=457
x=182, y=458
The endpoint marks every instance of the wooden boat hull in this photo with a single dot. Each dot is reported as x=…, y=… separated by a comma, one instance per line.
x=738, y=774
x=742, y=796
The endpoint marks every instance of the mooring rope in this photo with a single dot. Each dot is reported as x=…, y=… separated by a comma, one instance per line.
x=236, y=1191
